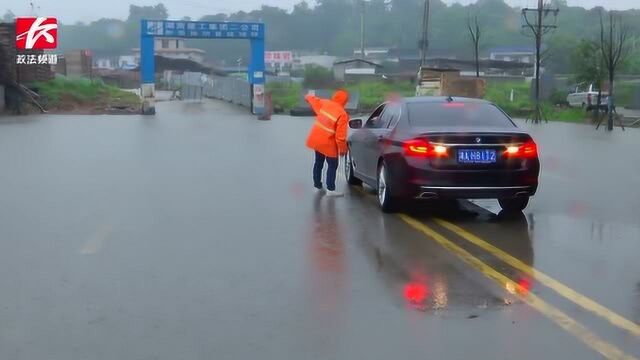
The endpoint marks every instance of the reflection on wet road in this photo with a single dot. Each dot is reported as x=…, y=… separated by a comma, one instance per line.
x=419, y=272
x=327, y=275
x=194, y=234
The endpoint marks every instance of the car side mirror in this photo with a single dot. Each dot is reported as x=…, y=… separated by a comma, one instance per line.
x=355, y=123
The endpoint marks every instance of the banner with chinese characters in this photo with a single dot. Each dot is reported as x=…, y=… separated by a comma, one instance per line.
x=204, y=30
x=278, y=57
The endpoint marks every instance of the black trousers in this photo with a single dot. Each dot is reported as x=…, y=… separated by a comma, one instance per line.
x=331, y=171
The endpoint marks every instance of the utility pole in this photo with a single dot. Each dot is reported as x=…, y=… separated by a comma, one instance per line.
x=362, y=9
x=424, y=42
x=539, y=27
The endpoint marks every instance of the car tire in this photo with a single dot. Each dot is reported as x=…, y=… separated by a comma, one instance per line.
x=348, y=171
x=514, y=205
x=387, y=203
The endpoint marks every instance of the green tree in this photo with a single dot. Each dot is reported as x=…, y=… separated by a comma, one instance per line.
x=586, y=63
x=632, y=63
x=556, y=57
x=588, y=67
x=475, y=33
x=156, y=12
x=333, y=27
x=614, y=45
x=317, y=77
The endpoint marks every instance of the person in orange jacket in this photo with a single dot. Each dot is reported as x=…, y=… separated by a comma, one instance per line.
x=328, y=137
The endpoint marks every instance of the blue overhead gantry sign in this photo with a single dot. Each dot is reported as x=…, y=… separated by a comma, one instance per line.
x=254, y=32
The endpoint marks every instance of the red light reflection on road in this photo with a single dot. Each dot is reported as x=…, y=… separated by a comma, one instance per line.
x=524, y=285
x=415, y=293
x=521, y=287
x=297, y=190
x=578, y=208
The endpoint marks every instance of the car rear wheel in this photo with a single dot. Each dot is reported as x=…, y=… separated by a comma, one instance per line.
x=514, y=205
x=385, y=200
x=348, y=170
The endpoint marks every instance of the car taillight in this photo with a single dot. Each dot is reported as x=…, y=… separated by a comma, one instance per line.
x=526, y=150
x=423, y=148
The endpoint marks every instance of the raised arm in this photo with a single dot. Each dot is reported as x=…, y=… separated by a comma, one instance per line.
x=314, y=102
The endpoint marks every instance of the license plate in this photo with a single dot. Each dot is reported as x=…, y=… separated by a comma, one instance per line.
x=476, y=156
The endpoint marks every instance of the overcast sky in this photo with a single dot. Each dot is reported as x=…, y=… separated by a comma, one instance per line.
x=70, y=11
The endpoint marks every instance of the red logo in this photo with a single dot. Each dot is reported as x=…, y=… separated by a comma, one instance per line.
x=36, y=33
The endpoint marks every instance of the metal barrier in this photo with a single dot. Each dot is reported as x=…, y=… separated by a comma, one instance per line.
x=195, y=85
x=228, y=88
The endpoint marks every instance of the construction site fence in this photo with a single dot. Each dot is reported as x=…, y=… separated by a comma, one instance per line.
x=232, y=89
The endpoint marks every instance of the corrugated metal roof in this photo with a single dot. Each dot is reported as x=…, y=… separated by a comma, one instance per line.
x=356, y=60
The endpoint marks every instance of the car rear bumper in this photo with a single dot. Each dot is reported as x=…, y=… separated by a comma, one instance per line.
x=419, y=180
x=474, y=192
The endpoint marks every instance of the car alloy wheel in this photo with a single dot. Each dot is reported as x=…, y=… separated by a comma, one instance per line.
x=387, y=202
x=382, y=186
x=348, y=170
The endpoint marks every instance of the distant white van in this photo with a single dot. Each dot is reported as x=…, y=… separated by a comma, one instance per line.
x=586, y=96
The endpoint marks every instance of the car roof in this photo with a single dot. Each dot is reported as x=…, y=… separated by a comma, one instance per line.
x=443, y=99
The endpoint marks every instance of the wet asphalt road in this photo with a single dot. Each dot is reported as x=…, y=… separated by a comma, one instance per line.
x=193, y=234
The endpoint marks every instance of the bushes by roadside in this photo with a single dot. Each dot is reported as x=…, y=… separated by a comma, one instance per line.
x=318, y=77
x=624, y=94
x=500, y=94
x=286, y=95
x=71, y=93
x=522, y=105
x=372, y=93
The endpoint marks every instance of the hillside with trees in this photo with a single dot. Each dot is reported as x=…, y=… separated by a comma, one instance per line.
x=333, y=27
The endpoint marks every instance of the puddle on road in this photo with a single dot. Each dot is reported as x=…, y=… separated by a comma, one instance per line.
x=576, y=248
x=420, y=275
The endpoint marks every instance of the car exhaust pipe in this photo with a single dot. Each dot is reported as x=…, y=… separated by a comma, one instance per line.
x=427, y=195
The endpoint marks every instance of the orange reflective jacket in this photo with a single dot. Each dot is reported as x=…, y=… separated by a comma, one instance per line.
x=329, y=132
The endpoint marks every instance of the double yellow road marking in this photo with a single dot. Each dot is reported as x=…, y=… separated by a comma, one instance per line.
x=557, y=316
x=546, y=280
x=608, y=350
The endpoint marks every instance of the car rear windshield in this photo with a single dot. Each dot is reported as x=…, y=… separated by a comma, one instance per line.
x=457, y=114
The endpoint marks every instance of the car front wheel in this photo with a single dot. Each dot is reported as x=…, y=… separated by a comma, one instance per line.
x=385, y=200
x=514, y=205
